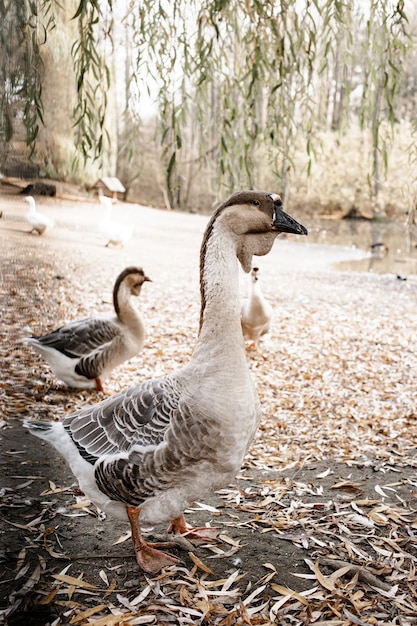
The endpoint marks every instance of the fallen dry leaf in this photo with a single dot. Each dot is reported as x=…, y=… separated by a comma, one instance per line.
x=330, y=476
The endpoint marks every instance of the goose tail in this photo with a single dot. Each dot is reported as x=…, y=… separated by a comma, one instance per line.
x=39, y=429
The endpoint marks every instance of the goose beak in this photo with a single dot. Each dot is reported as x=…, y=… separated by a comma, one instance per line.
x=283, y=222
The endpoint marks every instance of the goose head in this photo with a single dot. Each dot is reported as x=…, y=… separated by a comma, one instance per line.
x=255, y=274
x=136, y=280
x=131, y=279
x=256, y=218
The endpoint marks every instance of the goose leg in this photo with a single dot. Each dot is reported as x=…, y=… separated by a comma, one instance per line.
x=149, y=559
x=178, y=526
x=100, y=387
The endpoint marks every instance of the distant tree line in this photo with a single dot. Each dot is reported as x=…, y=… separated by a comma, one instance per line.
x=238, y=86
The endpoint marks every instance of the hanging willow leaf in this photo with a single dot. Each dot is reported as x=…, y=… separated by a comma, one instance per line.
x=93, y=82
x=170, y=167
x=7, y=125
x=247, y=78
x=81, y=9
x=24, y=28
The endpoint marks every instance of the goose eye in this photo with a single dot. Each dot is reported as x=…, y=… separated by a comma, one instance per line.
x=256, y=203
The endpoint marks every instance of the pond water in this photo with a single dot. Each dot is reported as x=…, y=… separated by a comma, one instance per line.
x=383, y=247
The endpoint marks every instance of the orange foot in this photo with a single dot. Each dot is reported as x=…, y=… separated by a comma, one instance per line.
x=149, y=559
x=152, y=560
x=178, y=526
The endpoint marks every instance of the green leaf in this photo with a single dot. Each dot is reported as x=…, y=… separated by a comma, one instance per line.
x=171, y=165
x=81, y=9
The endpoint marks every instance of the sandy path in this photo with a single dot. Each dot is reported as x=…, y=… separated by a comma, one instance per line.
x=336, y=379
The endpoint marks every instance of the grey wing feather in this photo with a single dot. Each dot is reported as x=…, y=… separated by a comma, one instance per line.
x=132, y=477
x=136, y=417
x=92, y=365
x=82, y=337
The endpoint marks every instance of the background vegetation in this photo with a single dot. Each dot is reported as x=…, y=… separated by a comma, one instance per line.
x=187, y=100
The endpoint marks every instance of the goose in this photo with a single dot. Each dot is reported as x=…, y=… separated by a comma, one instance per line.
x=84, y=352
x=117, y=234
x=379, y=249
x=145, y=453
x=255, y=312
x=38, y=221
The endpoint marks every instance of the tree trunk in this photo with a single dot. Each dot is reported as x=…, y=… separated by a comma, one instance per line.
x=376, y=166
x=55, y=147
x=56, y=151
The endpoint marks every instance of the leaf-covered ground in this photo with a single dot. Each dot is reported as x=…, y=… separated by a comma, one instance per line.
x=320, y=525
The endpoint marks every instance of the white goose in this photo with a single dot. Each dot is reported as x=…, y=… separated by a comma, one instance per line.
x=154, y=448
x=38, y=221
x=117, y=234
x=255, y=312
x=84, y=352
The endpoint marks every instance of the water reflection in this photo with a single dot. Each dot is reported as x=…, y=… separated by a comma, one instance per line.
x=389, y=247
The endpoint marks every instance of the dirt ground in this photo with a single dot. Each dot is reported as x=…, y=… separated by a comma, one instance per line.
x=320, y=525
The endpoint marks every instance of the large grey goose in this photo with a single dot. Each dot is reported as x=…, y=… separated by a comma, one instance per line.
x=147, y=452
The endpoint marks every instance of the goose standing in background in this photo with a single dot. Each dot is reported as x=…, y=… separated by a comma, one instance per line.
x=146, y=453
x=117, y=234
x=84, y=352
x=255, y=312
x=379, y=249
x=38, y=221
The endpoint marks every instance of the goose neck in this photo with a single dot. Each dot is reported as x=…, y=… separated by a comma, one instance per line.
x=123, y=304
x=220, y=325
x=256, y=292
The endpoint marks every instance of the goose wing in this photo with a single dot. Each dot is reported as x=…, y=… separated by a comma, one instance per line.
x=108, y=355
x=137, y=417
x=146, y=440
x=116, y=231
x=39, y=219
x=81, y=338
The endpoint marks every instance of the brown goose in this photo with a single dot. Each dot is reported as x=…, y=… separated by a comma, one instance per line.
x=149, y=451
x=84, y=352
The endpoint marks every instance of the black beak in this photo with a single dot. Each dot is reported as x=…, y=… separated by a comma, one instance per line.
x=284, y=222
